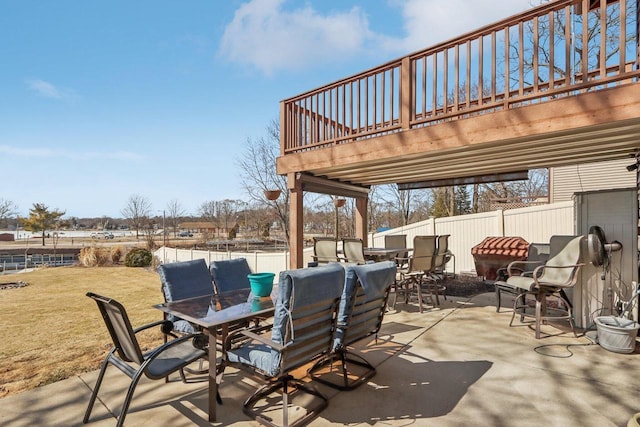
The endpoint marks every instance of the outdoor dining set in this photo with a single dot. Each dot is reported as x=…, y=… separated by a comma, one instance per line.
x=217, y=316
x=301, y=331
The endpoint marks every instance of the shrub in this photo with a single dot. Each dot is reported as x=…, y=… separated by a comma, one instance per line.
x=138, y=257
x=116, y=254
x=92, y=256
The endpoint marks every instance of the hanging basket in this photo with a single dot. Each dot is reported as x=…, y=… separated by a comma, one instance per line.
x=272, y=194
x=339, y=202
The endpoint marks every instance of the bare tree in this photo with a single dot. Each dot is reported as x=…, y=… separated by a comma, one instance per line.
x=257, y=167
x=7, y=210
x=227, y=210
x=137, y=212
x=404, y=203
x=208, y=211
x=175, y=212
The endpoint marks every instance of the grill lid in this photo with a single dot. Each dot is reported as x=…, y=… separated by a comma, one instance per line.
x=502, y=246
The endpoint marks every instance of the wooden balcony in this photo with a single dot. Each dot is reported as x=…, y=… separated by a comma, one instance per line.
x=553, y=86
x=485, y=100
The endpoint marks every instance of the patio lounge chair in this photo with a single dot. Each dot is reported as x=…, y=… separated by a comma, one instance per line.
x=126, y=355
x=360, y=315
x=303, y=329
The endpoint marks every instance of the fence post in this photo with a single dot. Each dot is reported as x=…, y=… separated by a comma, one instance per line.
x=500, y=218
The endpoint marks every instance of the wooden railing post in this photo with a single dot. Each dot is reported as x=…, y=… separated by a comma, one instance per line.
x=406, y=93
x=284, y=127
x=296, y=237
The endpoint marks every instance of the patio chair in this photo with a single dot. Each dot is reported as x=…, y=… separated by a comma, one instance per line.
x=181, y=280
x=415, y=276
x=360, y=316
x=393, y=241
x=353, y=250
x=303, y=329
x=188, y=279
x=438, y=274
x=325, y=250
x=126, y=355
x=537, y=254
x=560, y=272
x=230, y=274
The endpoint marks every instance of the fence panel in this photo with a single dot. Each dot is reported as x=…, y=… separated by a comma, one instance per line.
x=534, y=224
x=539, y=223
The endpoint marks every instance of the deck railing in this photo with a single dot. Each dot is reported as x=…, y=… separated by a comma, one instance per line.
x=556, y=50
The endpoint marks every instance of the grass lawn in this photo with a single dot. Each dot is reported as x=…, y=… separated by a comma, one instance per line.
x=51, y=330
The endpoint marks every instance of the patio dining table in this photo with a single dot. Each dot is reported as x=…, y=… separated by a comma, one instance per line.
x=217, y=311
x=383, y=254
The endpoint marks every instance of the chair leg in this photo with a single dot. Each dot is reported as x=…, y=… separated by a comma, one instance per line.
x=497, y=299
x=541, y=311
x=127, y=399
x=344, y=358
x=283, y=383
x=94, y=394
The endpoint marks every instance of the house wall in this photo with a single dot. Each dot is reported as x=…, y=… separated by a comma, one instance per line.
x=567, y=180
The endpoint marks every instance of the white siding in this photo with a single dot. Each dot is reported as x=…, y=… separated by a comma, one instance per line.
x=566, y=180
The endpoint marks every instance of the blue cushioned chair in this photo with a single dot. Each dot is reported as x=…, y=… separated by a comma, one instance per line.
x=184, y=279
x=230, y=274
x=181, y=280
x=302, y=330
x=360, y=315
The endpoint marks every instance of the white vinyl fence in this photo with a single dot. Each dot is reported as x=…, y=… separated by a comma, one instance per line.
x=534, y=224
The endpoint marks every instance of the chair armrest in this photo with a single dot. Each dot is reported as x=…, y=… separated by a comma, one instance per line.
x=241, y=335
x=264, y=340
x=519, y=267
x=171, y=343
x=148, y=325
x=540, y=270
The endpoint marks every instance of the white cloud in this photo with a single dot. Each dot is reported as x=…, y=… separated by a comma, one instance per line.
x=69, y=155
x=430, y=22
x=48, y=90
x=270, y=38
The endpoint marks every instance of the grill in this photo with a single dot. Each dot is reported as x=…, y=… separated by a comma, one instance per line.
x=494, y=253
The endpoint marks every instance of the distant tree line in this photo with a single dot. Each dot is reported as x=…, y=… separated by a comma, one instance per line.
x=263, y=217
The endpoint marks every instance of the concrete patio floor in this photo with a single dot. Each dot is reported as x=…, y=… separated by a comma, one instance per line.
x=460, y=364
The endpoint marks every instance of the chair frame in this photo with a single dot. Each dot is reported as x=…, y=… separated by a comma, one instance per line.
x=126, y=353
x=543, y=288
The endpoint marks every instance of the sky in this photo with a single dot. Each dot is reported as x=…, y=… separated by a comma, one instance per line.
x=103, y=100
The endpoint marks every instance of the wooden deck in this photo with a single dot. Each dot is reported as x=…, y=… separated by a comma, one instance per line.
x=554, y=86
